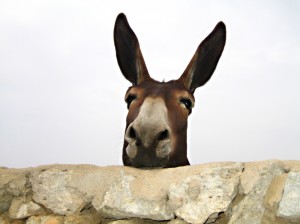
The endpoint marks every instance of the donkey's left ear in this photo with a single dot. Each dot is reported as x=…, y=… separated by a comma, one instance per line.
x=205, y=60
x=129, y=55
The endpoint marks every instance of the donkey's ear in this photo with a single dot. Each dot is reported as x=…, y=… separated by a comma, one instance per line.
x=206, y=58
x=129, y=55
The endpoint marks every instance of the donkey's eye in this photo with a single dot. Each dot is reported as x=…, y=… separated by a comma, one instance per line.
x=187, y=103
x=129, y=99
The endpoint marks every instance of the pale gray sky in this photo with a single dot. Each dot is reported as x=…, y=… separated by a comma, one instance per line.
x=61, y=91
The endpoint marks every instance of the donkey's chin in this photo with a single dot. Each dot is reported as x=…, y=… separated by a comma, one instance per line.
x=147, y=158
x=154, y=163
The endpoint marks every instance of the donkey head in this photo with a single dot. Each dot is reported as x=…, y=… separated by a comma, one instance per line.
x=156, y=124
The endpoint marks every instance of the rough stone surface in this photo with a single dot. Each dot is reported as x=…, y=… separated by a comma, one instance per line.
x=51, y=188
x=5, y=200
x=4, y=220
x=45, y=220
x=289, y=206
x=119, y=202
x=251, y=209
x=131, y=221
x=177, y=221
x=13, y=183
x=202, y=197
x=136, y=221
x=89, y=217
x=22, y=208
x=272, y=199
x=258, y=192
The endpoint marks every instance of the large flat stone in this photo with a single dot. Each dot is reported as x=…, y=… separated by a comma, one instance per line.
x=255, y=181
x=200, y=198
x=272, y=198
x=52, y=189
x=120, y=202
x=289, y=206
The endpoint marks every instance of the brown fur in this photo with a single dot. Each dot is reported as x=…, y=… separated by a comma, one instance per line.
x=171, y=92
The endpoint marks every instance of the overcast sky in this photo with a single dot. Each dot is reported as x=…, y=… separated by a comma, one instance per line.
x=62, y=93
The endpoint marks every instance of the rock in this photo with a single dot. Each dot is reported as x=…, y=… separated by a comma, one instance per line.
x=201, y=197
x=177, y=221
x=291, y=165
x=253, y=173
x=52, y=189
x=251, y=209
x=289, y=206
x=17, y=222
x=258, y=192
x=51, y=220
x=119, y=202
x=13, y=183
x=78, y=219
x=34, y=220
x=45, y=220
x=130, y=221
x=4, y=221
x=272, y=198
x=5, y=200
x=144, y=193
x=22, y=208
x=86, y=217
x=136, y=221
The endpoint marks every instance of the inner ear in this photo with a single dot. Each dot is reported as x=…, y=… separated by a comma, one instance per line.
x=128, y=52
x=205, y=59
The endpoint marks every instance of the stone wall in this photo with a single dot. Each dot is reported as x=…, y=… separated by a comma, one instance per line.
x=235, y=193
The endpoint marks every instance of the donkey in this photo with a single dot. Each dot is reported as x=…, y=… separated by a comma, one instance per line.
x=156, y=124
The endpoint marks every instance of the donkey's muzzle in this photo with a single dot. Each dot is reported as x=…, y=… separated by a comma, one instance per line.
x=148, y=146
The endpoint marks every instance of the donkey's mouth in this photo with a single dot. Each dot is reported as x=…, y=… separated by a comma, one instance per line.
x=145, y=162
x=149, y=157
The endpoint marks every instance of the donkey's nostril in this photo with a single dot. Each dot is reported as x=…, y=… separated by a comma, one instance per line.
x=163, y=135
x=132, y=133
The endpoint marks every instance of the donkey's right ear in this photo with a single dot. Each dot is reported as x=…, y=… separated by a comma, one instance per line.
x=129, y=55
x=206, y=58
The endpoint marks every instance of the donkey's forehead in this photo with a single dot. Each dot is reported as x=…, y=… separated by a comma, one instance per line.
x=164, y=89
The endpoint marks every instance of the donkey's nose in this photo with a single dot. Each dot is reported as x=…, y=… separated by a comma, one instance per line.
x=163, y=135
x=147, y=139
x=132, y=133
x=146, y=136
x=131, y=136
